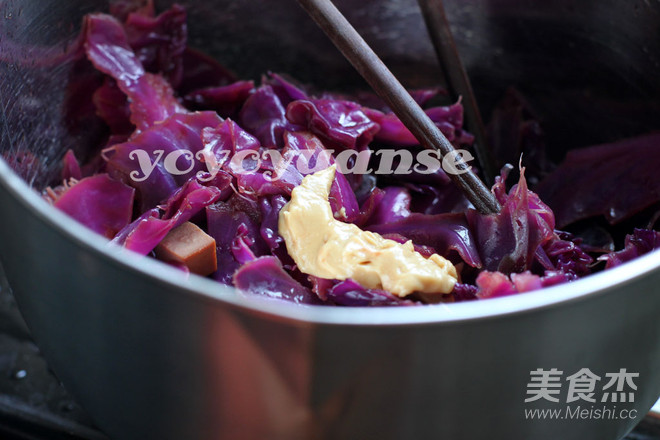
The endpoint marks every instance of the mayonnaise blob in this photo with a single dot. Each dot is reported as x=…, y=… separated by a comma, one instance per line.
x=327, y=248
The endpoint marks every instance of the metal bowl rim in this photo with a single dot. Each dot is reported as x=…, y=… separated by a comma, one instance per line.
x=612, y=281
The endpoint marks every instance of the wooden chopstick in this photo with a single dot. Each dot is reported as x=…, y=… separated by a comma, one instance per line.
x=458, y=81
x=385, y=84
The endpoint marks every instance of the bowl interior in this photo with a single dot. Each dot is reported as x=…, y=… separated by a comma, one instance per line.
x=588, y=68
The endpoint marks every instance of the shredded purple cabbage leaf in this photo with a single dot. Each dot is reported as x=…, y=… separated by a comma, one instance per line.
x=157, y=95
x=615, y=181
x=148, y=230
x=640, y=242
x=102, y=204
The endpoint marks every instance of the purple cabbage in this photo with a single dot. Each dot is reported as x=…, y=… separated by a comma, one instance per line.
x=350, y=293
x=444, y=233
x=200, y=71
x=145, y=233
x=228, y=138
x=151, y=97
x=437, y=198
x=112, y=106
x=564, y=253
x=425, y=251
x=159, y=42
x=235, y=226
x=266, y=277
x=342, y=198
x=270, y=211
x=272, y=179
x=369, y=205
x=241, y=246
x=514, y=131
x=508, y=241
x=285, y=89
x=264, y=116
x=394, y=205
x=70, y=167
x=254, y=175
x=448, y=119
x=182, y=133
x=102, y=204
x=95, y=165
x=640, y=242
x=221, y=143
x=464, y=292
x=120, y=9
x=341, y=124
x=224, y=100
x=423, y=96
x=614, y=181
x=497, y=284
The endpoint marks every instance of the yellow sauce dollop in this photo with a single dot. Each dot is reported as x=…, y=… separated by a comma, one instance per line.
x=327, y=248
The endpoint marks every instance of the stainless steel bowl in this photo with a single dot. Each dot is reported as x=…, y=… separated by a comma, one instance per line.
x=152, y=355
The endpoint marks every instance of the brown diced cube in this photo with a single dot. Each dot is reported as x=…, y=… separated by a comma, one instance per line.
x=189, y=245
x=434, y=298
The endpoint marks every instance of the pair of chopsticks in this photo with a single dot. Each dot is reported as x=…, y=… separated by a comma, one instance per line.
x=390, y=90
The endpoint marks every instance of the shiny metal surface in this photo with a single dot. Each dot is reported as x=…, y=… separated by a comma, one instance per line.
x=151, y=355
